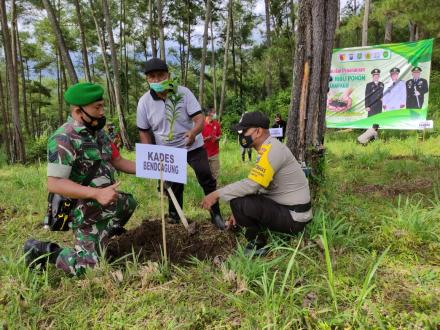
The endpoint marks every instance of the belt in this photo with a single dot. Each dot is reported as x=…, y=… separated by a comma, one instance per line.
x=301, y=207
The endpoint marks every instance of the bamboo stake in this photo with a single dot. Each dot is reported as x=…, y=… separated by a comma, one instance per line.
x=162, y=211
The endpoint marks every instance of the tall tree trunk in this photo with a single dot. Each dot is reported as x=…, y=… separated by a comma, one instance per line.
x=315, y=35
x=225, y=59
x=59, y=89
x=151, y=28
x=30, y=100
x=213, y=68
x=204, y=52
x=161, y=31
x=100, y=33
x=388, y=28
x=365, y=23
x=19, y=149
x=60, y=41
x=6, y=136
x=23, y=86
x=234, y=66
x=413, y=31
x=115, y=66
x=188, y=42
x=268, y=45
x=83, y=41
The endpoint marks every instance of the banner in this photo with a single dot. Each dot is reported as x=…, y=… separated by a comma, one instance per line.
x=384, y=84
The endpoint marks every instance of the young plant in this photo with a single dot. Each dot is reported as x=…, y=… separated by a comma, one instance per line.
x=172, y=109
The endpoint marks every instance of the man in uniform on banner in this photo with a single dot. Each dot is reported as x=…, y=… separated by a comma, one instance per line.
x=274, y=196
x=176, y=125
x=373, y=94
x=78, y=149
x=416, y=88
x=394, y=96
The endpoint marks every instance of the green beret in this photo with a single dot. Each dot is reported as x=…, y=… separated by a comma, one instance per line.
x=83, y=94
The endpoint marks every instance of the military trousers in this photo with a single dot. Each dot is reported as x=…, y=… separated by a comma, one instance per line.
x=91, y=225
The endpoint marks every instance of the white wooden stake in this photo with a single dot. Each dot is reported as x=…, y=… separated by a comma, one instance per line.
x=162, y=210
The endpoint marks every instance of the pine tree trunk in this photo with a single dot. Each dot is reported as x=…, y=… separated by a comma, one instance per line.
x=213, y=68
x=388, y=29
x=268, y=45
x=23, y=87
x=204, y=52
x=225, y=59
x=6, y=136
x=151, y=28
x=83, y=41
x=30, y=100
x=60, y=41
x=413, y=31
x=365, y=23
x=314, y=43
x=188, y=42
x=19, y=149
x=115, y=65
x=161, y=31
x=234, y=66
x=59, y=89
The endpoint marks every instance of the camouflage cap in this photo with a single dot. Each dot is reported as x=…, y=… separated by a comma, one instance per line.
x=83, y=94
x=395, y=70
x=375, y=71
x=416, y=68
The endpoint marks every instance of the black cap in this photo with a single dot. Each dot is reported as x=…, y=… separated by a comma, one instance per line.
x=252, y=119
x=395, y=70
x=416, y=68
x=155, y=64
x=375, y=71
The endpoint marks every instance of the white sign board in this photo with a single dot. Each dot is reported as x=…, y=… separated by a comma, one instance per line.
x=426, y=124
x=149, y=157
x=276, y=132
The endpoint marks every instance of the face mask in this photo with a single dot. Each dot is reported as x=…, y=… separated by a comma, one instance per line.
x=245, y=141
x=101, y=121
x=162, y=86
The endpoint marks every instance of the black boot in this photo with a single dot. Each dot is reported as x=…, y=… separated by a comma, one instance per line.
x=173, y=218
x=39, y=253
x=217, y=220
x=116, y=231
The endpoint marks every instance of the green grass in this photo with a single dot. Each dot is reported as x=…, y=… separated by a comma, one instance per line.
x=368, y=260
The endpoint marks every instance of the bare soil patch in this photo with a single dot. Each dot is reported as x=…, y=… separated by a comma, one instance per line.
x=146, y=241
x=396, y=188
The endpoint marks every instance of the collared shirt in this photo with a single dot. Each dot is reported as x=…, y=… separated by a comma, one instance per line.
x=73, y=149
x=212, y=130
x=155, y=114
x=277, y=175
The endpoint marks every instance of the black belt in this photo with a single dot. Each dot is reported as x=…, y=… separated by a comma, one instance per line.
x=301, y=207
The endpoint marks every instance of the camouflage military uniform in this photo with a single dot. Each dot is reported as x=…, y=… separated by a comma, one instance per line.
x=72, y=151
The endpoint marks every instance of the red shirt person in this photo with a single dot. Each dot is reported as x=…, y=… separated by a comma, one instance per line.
x=211, y=135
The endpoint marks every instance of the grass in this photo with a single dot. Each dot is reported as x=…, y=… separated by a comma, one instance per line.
x=368, y=260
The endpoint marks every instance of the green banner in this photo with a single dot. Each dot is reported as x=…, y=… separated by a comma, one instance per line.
x=383, y=84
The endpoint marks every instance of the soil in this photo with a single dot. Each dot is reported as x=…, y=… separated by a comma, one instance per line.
x=146, y=241
x=395, y=189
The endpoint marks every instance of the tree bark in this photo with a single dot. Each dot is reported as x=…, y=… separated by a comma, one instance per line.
x=161, y=30
x=6, y=136
x=268, y=45
x=117, y=87
x=30, y=100
x=59, y=89
x=315, y=36
x=151, y=28
x=60, y=41
x=204, y=52
x=213, y=68
x=388, y=29
x=413, y=31
x=234, y=66
x=188, y=41
x=19, y=149
x=83, y=41
x=365, y=23
x=225, y=60
x=23, y=86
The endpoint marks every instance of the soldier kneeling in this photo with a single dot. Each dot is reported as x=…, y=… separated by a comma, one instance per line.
x=79, y=148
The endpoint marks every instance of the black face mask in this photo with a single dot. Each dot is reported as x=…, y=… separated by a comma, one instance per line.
x=101, y=121
x=245, y=141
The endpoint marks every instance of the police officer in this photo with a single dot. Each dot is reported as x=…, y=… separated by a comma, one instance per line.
x=394, y=96
x=416, y=88
x=155, y=127
x=101, y=210
x=373, y=94
x=274, y=196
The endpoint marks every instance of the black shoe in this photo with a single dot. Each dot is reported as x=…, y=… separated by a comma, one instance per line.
x=39, y=253
x=255, y=250
x=116, y=231
x=217, y=221
x=173, y=218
